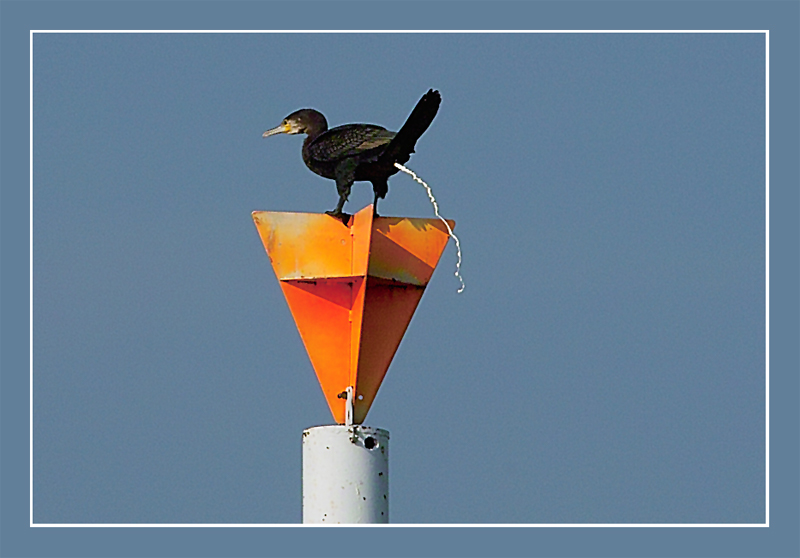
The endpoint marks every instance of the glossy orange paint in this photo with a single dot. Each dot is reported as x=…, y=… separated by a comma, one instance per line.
x=352, y=290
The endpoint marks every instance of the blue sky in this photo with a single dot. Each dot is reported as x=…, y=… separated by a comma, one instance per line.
x=605, y=364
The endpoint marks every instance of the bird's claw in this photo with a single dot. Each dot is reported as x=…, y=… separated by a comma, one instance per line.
x=339, y=214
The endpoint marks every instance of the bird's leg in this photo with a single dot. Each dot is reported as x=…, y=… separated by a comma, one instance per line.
x=339, y=206
x=375, y=206
x=344, y=193
x=381, y=187
x=345, y=175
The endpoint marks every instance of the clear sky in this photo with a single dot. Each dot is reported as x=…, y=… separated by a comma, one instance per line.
x=605, y=364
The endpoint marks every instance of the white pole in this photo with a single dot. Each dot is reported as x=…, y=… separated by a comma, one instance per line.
x=345, y=474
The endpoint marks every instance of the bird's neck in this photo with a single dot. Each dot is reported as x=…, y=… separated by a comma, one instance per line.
x=314, y=132
x=317, y=126
x=312, y=135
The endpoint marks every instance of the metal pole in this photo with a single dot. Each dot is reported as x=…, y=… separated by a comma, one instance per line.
x=345, y=474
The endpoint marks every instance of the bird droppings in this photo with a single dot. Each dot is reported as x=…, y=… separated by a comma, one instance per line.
x=413, y=175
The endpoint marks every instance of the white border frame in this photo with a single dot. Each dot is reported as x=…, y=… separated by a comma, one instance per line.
x=469, y=525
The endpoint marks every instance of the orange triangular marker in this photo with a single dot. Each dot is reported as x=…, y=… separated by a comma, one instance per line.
x=352, y=290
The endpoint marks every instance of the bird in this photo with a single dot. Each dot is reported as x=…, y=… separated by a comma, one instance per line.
x=358, y=152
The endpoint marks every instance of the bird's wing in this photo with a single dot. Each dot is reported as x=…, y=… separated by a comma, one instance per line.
x=349, y=140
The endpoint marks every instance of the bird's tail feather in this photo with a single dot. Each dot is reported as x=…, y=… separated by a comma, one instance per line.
x=402, y=145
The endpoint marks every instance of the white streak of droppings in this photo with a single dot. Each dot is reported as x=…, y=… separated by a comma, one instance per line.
x=446, y=224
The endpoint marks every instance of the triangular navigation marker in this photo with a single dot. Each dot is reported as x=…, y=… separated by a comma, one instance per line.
x=352, y=290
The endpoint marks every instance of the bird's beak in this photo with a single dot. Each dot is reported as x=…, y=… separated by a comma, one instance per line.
x=282, y=129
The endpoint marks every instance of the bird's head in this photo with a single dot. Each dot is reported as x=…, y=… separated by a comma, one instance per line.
x=303, y=121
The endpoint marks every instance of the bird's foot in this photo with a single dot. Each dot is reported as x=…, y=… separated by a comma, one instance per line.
x=339, y=214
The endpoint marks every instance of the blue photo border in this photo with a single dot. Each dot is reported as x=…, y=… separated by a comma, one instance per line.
x=18, y=538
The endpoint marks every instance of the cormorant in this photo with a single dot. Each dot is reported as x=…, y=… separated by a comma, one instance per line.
x=358, y=151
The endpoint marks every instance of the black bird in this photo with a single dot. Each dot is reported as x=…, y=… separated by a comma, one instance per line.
x=358, y=151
